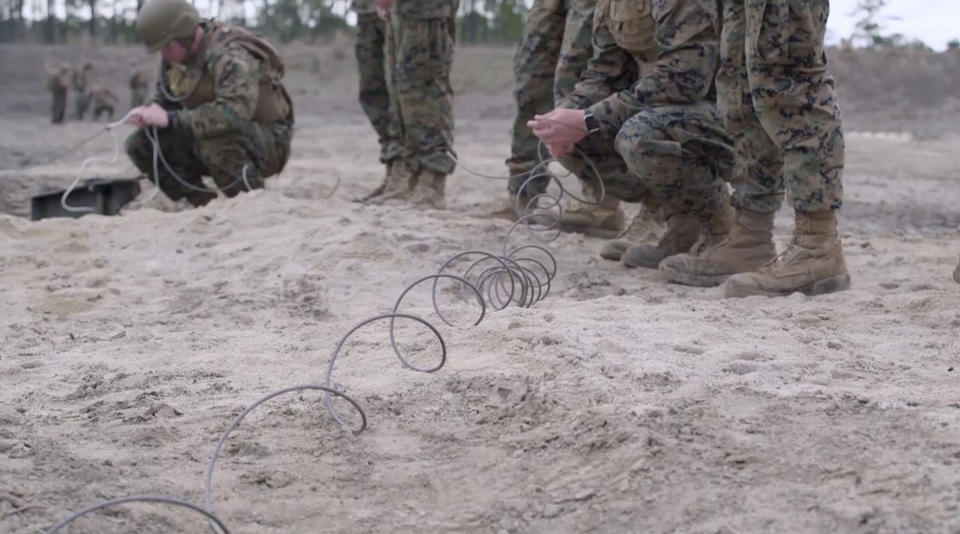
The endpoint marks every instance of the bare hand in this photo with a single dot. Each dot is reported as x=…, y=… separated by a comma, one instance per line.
x=559, y=130
x=152, y=115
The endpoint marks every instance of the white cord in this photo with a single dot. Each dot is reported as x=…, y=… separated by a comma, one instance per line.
x=158, y=159
x=113, y=159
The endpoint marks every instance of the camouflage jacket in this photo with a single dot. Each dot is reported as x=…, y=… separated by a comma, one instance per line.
x=427, y=9
x=102, y=96
x=217, y=90
x=677, y=64
x=624, y=44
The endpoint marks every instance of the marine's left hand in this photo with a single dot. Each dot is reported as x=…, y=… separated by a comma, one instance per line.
x=152, y=115
x=559, y=130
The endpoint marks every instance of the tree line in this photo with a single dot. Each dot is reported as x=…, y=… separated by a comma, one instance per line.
x=112, y=21
x=478, y=21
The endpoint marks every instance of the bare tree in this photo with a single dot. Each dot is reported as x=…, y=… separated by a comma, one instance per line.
x=93, y=18
x=870, y=28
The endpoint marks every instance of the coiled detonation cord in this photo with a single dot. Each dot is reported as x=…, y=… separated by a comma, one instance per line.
x=542, y=214
x=521, y=277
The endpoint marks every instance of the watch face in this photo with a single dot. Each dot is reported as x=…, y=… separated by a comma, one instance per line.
x=590, y=121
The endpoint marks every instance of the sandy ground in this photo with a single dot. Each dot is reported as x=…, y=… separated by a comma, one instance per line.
x=618, y=404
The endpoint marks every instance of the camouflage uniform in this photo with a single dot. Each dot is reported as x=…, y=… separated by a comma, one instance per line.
x=139, y=87
x=369, y=49
x=81, y=97
x=58, y=85
x=249, y=124
x=103, y=101
x=779, y=103
x=552, y=54
x=419, y=56
x=660, y=140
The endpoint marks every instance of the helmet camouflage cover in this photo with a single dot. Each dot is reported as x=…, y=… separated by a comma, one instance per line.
x=161, y=21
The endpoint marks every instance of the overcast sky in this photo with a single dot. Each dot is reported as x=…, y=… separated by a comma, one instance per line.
x=932, y=21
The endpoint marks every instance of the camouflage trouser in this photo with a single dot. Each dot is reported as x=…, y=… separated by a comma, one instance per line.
x=674, y=159
x=81, y=102
x=138, y=97
x=595, y=158
x=262, y=148
x=59, y=107
x=552, y=53
x=419, y=57
x=374, y=96
x=779, y=104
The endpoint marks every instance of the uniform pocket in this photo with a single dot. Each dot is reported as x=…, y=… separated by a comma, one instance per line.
x=768, y=27
x=632, y=25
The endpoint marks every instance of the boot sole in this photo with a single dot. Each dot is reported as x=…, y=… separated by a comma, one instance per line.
x=637, y=265
x=614, y=250
x=694, y=280
x=819, y=287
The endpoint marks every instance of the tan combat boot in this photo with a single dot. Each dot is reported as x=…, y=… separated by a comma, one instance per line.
x=397, y=184
x=429, y=190
x=683, y=231
x=602, y=219
x=646, y=227
x=747, y=247
x=812, y=264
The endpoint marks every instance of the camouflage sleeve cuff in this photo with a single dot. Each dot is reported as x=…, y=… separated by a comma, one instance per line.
x=612, y=112
x=574, y=101
x=178, y=120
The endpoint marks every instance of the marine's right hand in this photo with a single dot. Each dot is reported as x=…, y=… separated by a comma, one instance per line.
x=136, y=117
x=152, y=115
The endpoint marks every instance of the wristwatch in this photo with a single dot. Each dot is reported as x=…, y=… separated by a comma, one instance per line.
x=591, y=122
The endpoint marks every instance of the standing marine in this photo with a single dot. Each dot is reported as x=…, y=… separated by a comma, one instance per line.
x=779, y=103
x=59, y=84
x=220, y=108
x=81, y=98
x=374, y=95
x=419, y=146
x=139, y=88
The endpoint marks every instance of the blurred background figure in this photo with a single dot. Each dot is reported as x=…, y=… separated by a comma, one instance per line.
x=139, y=88
x=58, y=83
x=103, y=101
x=81, y=98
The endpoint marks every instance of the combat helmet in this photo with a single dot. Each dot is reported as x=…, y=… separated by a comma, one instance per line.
x=162, y=21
